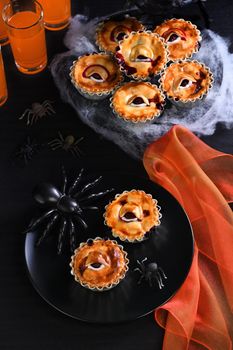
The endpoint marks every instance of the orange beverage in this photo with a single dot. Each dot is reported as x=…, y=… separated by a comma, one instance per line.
x=3, y=33
x=3, y=87
x=57, y=13
x=27, y=38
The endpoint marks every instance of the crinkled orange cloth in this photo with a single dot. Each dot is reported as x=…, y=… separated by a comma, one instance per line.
x=199, y=316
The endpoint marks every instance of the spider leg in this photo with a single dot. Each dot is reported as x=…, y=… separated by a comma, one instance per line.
x=72, y=236
x=88, y=186
x=24, y=113
x=96, y=195
x=159, y=280
x=162, y=272
x=75, y=152
x=141, y=264
x=61, y=137
x=33, y=119
x=39, y=220
x=78, y=141
x=141, y=278
x=76, y=181
x=48, y=228
x=61, y=235
x=64, y=179
x=81, y=221
x=28, y=117
x=55, y=144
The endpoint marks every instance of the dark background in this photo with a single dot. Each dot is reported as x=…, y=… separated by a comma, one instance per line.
x=26, y=321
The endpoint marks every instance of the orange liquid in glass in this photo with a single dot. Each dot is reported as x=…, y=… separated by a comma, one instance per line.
x=56, y=13
x=28, y=44
x=3, y=32
x=3, y=87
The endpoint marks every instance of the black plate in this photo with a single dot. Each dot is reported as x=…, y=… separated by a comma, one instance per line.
x=171, y=246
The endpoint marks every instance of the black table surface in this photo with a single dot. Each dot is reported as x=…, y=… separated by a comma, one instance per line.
x=26, y=321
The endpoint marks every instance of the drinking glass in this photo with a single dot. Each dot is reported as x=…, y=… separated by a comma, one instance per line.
x=57, y=13
x=3, y=33
x=3, y=87
x=26, y=32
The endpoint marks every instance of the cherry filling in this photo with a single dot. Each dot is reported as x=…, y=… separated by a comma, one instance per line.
x=142, y=58
x=184, y=82
x=138, y=101
x=96, y=265
x=118, y=33
x=172, y=38
x=129, y=216
x=96, y=76
x=129, y=70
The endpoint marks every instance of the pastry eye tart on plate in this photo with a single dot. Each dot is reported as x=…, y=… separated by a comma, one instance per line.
x=138, y=101
x=99, y=264
x=186, y=81
x=182, y=38
x=95, y=75
x=111, y=31
x=132, y=215
x=142, y=54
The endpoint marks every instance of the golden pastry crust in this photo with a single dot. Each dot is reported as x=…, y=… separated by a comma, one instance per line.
x=142, y=54
x=186, y=81
x=97, y=73
x=110, y=32
x=138, y=101
x=182, y=38
x=132, y=214
x=99, y=264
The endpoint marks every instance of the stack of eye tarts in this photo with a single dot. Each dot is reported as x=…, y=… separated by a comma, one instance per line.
x=96, y=75
x=142, y=55
x=138, y=102
x=99, y=264
x=111, y=31
x=132, y=215
x=186, y=82
x=182, y=38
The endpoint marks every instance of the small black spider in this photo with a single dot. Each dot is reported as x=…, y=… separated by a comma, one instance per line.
x=150, y=272
x=26, y=151
x=67, y=204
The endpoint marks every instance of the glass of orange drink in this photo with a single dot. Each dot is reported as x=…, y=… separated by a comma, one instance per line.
x=3, y=87
x=25, y=28
x=57, y=13
x=3, y=33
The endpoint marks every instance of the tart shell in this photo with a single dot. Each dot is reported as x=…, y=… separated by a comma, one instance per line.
x=132, y=233
x=104, y=286
x=138, y=114
x=181, y=49
x=94, y=91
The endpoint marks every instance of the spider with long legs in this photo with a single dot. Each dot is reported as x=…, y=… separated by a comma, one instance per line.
x=150, y=272
x=66, y=204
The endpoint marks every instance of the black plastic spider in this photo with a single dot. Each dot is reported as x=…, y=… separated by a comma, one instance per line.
x=66, y=204
x=150, y=272
x=26, y=151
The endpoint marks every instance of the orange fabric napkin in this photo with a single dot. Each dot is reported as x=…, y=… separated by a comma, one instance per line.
x=199, y=316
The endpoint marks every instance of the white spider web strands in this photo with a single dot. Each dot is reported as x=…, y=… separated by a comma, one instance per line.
x=133, y=138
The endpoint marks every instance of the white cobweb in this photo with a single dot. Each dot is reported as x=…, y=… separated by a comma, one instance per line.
x=133, y=138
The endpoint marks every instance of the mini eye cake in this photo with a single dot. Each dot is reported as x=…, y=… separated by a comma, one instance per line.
x=142, y=54
x=182, y=38
x=131, y=215
x=99, y=264
x=138, y=101
x=110, y=32
x=95, y=75
x=186, y=81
